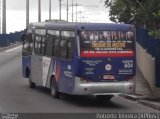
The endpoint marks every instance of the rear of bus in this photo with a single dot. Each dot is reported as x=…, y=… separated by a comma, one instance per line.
x=107, y=59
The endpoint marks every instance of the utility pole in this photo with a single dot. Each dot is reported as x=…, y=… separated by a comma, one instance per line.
x=27, y=13
x=76, y=11
x=81, y=11
x=39, y=10
x=76, y=5
x=72, y=10
x=4, y=18
x=50, y=9
x=67, y=10
x=60, y=9
x=0, y=15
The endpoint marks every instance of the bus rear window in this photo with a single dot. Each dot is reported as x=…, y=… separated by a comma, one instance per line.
x=107, y=43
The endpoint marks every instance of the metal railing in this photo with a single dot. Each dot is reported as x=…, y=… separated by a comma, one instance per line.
x=152, y=47
x=11, y=38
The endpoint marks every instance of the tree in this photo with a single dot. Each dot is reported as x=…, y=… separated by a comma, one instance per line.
x=140, y=12
x=120, y=10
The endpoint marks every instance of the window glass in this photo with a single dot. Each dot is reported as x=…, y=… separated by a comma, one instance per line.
x=70, y=49
x=60, y=46
x=28, y=43
x=66, y=45
x=29, y=30
x=25, y=45
x=40, y=31
x=37, y=45
x=53, y=32
x=43, y=46
x=63, y=48
x=68, y=34
x=53, y=43
x=49, y=47
x=56, y=47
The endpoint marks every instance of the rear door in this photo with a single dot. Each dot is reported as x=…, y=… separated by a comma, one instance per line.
x=37, y=57
x=65, y=61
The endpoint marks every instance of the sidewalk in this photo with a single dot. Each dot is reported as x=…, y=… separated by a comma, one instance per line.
x=143, y=93
x=10, y=46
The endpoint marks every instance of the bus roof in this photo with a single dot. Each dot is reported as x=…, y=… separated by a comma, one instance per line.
x=82, y=26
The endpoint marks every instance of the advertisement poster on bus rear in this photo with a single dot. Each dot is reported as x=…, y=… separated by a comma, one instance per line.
x=107, y=43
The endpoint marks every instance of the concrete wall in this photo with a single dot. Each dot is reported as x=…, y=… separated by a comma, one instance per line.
x=146, y=64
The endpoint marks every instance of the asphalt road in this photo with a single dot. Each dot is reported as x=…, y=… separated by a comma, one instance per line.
x=17, y=97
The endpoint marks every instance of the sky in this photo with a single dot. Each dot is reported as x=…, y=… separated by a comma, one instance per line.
x=91, y=11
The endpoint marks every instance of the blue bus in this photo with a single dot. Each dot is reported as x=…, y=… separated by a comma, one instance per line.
x=80, y=58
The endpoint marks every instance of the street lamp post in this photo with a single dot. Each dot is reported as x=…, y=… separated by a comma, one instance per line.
x=50, y=8
x=27, y=13
x=60, y=9
x=72, y=10
x=67, y=10
x=4, y=18
x=0, y=15
x=39, y=10
x=76, y=11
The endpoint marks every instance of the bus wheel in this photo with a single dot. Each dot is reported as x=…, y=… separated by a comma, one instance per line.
x=53, y=88
x=31, y=84
x=104, y=98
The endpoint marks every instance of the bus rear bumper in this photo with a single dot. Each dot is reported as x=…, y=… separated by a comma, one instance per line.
x=103, y=88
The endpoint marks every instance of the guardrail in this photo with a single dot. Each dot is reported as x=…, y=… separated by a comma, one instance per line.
x=8, y=39
x=147, y=42
x=152, y=47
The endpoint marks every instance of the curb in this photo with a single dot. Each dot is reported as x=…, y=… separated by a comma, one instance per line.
x=150, y=104
x=144, y=100
x=133, y=97
x=10, y=46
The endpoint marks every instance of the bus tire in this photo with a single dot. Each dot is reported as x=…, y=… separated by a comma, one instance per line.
x=31, y=84
x=104, y=98
x=53, y=88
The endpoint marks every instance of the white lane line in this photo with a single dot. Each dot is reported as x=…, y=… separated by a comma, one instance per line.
x=13, y=49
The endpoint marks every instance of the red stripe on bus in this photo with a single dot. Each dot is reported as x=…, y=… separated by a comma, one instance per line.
x=107, y=54
x=57, y=72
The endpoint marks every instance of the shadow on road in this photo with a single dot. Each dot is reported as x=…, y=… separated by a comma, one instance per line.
x=83, y=101
x=89, y=101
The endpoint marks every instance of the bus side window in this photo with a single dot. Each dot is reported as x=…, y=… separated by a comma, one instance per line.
x=25, y=45
x=37, y=45
x=70, y=48
x=56, y=47
x=49, y=47
x=67, y=41
x=43, y=44
x=63, y=48
x=40, y=41
x=53, y=42
x=28, y=43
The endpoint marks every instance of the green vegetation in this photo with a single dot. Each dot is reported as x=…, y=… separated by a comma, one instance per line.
x=144, y=13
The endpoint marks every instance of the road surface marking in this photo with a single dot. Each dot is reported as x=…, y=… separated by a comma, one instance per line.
x=13, y=49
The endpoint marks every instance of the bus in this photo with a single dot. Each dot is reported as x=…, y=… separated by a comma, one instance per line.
x=80, y=58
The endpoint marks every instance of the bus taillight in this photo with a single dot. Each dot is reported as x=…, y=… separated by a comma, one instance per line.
x=85, y=80
x=127, y=78
x=109, y=77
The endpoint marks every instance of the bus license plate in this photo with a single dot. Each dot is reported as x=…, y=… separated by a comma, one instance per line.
x=109, y=77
